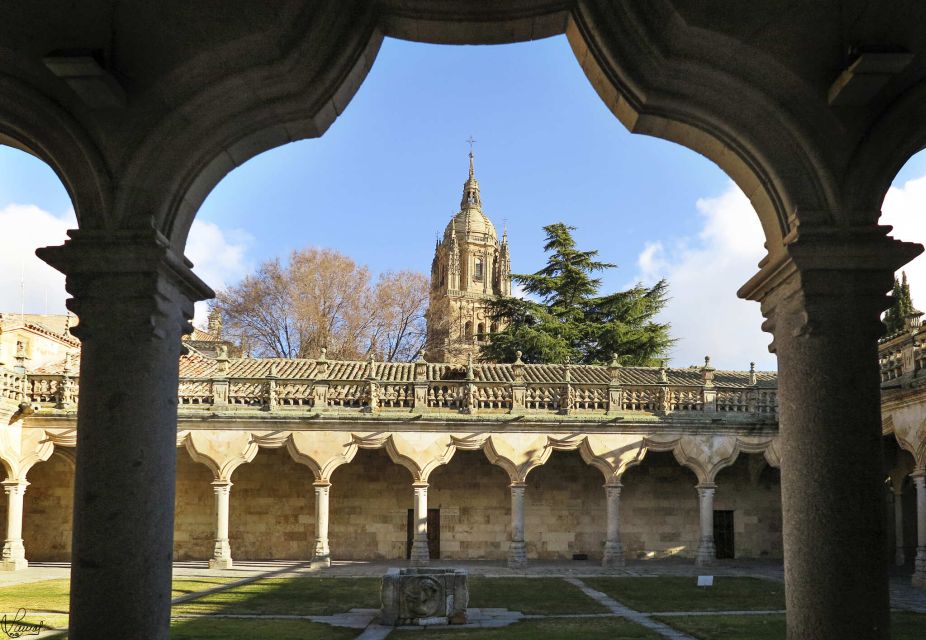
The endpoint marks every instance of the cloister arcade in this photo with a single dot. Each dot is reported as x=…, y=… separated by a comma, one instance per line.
x=142, y=109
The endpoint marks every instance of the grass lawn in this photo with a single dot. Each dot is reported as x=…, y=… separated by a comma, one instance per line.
x=683, y=594
x=553, y=629
x=47, y=595
x=299, y=596
x=530, y=595
x=185, y=586
x=904, y=626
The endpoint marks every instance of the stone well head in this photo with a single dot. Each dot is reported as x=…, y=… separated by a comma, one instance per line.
x=420, y=596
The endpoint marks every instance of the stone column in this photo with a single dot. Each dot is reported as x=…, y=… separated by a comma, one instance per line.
x=613, y=555
x=517, y=551
x=822, y=297
x=900, y=557
x=919, y=572
x=321, y=557
x=134, y=297
x=707, y=552
x=14, y=554
x=420, y=553
x=221, y=554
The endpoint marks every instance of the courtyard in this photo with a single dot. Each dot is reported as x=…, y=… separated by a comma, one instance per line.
x=289, y=600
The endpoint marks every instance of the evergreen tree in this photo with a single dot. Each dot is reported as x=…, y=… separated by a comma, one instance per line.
x=902, y=305
x=570, y=320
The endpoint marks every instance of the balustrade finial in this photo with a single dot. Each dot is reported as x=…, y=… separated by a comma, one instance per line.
x=752, y=373
x=420, y=357
x=615, y=361
x=663, y=373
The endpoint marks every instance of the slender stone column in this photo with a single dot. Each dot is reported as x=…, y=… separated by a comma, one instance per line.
x=822, y=297
x=517, y=550
x=613, y=551
x=14, y=554
x=221, y=554
x=919, y=573
x=321, y=557
x=134, y=297
x=420, y=553
x=707, y=552
x=900, y=558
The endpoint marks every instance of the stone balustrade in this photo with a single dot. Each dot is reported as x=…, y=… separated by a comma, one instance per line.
x=292, y=386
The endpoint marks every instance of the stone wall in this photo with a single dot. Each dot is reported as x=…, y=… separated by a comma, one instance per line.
x=48, y=510
x=564, y=509
x=659, y=509
x=194, y=518
x=369, y=502
x=271, y=509
x=475, y=507
x=752, y=490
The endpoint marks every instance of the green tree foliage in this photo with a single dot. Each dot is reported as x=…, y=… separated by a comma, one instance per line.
x=901, y=307
x=568, y=319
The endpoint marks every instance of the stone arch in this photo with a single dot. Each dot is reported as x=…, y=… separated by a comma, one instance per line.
x=639, y=59
x=33, y=122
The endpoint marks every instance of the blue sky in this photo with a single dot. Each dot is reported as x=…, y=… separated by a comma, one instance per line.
x=384, y=180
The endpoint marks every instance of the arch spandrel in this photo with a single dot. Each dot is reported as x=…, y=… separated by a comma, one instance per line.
x=220, y=450
x=910, y=431
x=21, y=448
x=706, y=455
x=610, y=453
x=322, y=451
x=419, y=452
x=518, y=453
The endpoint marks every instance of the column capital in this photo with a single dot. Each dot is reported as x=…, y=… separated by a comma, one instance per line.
x=133, y=279
x=221, y=485
x=705, y=486
x=14, y=486
x=518, y=485
x=321, y=484
x=613, y=485
x=829, y=278
x=420, y=484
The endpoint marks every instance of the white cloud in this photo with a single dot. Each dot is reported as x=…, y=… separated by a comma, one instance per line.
x=219, y=257
x=904, y=208
x=28, y=282
x=704, y=273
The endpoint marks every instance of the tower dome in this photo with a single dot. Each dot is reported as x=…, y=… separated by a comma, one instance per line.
x=471, y=224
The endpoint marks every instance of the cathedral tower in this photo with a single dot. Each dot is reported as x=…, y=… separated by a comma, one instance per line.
x=470, y=267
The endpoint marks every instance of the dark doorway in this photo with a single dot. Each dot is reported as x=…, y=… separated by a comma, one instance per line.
x=723, y=533
x=433, y=533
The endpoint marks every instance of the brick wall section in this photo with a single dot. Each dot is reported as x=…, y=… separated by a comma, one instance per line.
x=475, y=505
x=271, y=509
x=369, y=503
x=194, y=518
x=48, y=510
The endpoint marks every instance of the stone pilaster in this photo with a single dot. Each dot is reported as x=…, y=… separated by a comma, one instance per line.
x=14, y=553
x=221, y=554
x=822, y=298
x=134, y=296
x=321, y=556
x=420, y=553
x=613, y=555
x=707, y=552
x=919, y=572
x=517, y=550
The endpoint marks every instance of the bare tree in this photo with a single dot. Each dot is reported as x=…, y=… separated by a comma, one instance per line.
x=323, y=299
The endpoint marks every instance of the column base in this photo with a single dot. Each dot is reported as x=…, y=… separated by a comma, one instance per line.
x=517, y=555
x=321, y=562
x=221, y=563
x=14, y=556
x=17, y=564
x=613, y=555
x=420, y=554
x=707, y=554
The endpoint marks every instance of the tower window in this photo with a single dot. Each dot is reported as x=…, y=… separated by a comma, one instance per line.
x=478, y=270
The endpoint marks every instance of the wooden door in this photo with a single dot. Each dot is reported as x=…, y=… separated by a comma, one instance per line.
x=723, y=534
